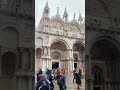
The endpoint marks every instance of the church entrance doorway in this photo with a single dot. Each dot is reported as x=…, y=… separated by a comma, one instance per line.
x=55, y=65
x=78, y=49
x=58, y=51
x=75, y=65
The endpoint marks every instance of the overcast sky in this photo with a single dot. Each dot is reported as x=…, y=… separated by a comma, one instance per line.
x=72, y=6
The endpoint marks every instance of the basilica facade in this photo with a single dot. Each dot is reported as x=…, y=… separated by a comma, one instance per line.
x=102, y=36
x=59, y=42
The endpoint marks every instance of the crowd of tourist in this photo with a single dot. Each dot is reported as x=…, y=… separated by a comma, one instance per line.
x=46, y=81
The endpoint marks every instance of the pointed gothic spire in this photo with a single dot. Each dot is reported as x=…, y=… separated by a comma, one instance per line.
x=80, y=17
x=58, y=11
x=74, y=16
x=46, y=11
x=65, y=15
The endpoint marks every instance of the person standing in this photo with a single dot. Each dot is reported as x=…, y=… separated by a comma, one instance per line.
x=74, y=77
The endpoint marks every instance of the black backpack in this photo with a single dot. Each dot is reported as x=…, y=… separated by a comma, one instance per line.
x=59, y=82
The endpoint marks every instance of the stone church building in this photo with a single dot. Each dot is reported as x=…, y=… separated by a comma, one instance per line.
x=59, y=42
x=102, y=36
x=17, y=45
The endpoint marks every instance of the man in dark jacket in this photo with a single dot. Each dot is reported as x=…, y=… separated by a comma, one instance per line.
x=42, y=84
x=62, y=81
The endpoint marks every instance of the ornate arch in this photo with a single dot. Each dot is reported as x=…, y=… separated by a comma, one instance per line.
x=10, y=33
x=78, y=42
x=39, y=41
x=98, y=37
x=8, y=63
x=17, y=27
x=58, y=23
x=38, y=53
x=60, y=40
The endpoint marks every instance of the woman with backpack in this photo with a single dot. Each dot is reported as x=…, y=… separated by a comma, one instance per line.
x=78, y=78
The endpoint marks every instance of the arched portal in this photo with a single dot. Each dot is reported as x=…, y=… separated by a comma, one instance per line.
x=58, y=52
x=105, y=53
x=38, y=60
x=57, y=56
x=104, y=49
x=78, y=53
x=8, y=63
x=38, y=53
x=10, y=37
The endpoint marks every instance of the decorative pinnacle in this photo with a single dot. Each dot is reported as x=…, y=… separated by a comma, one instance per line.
x=65, y=12
x=46, y=11
x=57, y=10
x=80, y=17
x=74, y=15
x=65, y=15
x=47, y=4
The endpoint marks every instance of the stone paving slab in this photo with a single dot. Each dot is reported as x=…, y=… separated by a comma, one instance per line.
x=70, y=84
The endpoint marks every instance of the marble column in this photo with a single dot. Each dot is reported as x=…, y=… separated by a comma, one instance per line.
x=43, y=64
x=30, y=84
x=72, y=65
x=31, y=61
x=70, y=62
x=0, y=61
x=82, y=59
x=89, y=81
x=21, y=59
x=46, y=58
x=49, y=58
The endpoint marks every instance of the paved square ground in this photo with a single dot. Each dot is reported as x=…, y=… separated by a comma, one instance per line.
x=70, y=84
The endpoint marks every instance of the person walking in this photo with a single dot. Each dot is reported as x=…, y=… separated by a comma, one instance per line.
x=39, y=72
x=42, y=83
x=78, y=78
x=61, y=81
x=51, y=78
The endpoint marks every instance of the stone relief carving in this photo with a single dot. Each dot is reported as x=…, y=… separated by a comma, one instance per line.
x=57, y=25
x=39, y=41
x=97, y=8
x=73, y=28
x=56, y=55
